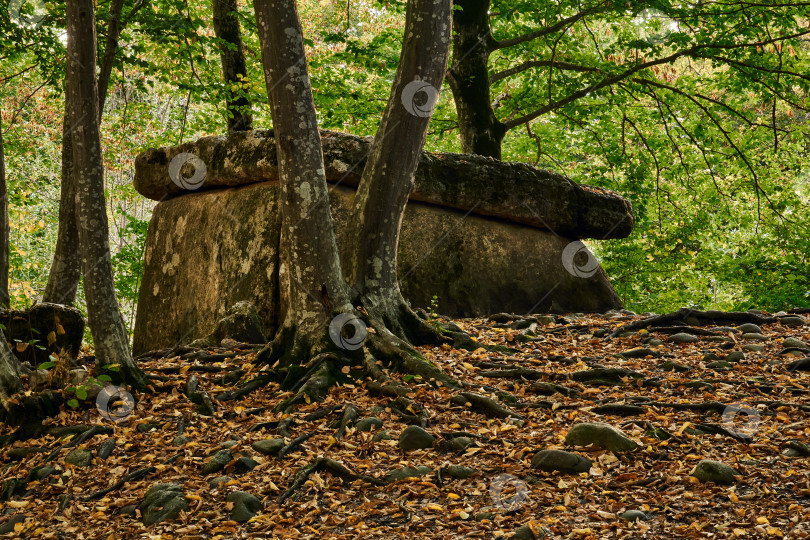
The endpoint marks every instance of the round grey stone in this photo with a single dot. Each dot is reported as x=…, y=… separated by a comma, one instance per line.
x=749, y=327
x=381, y=436
x=735, y=356
x=415, y=438
x=215, y=482
x=245, y=505
x=793, y=342
x=714, y=471
x=683, y=337
x=460, y=444
x=268, y=446
x=217, y=462
x=562, y=461
x=162, y=502
x=369, y=424
x=408, y=472
x=600, y=435
x=792, y=320
x=79, y=458
x=633, y=515
x=460, y=472
x=755, y=336
x=106, y=448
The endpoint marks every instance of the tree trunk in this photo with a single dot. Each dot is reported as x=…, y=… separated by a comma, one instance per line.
x=234, y=69
x=63, y=279
x=481, y=131
x=106, y=323
x=4, y=225
x=114, y=28
x=314, y=296
x=10, y=371
x=65, y=272
x=388, y=177
x=311, y=282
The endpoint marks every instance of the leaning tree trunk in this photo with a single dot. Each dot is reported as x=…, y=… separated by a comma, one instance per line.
x=4, y=225
x=389, y=174
x=106, y=323
x=65, y=272
x=481, y=131
x=314, y=296
x=234, y=69
x=63, y=279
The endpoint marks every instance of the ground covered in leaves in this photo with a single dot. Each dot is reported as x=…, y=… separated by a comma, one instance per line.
x=336, y=469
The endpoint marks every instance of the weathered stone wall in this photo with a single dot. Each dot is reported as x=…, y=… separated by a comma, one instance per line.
x=482, y=235
x=208, y=250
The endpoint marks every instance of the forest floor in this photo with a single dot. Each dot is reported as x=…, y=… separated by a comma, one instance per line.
x=679, y=402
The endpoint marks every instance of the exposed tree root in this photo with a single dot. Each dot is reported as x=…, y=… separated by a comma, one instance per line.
x=349, y=417
x=488, y=406
x=686, y=316
x=333, y=467
x=294, y=444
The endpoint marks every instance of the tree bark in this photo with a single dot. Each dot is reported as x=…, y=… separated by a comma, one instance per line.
x=311, y=281
x=4, y=225
x=388, y=177
x=114, y=27
x=65, y=272
x=314, y=295
x=106, y=323
x=234, y=69
x=481, y=131
x=63, y=279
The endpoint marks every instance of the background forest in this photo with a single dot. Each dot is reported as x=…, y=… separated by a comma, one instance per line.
x=712, y=151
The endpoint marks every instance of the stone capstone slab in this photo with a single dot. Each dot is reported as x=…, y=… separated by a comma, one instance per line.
x=484, y=186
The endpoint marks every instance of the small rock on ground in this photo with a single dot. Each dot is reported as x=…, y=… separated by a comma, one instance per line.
x=600, y=435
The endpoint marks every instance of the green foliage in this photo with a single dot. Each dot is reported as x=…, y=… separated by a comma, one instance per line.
x=722, y=210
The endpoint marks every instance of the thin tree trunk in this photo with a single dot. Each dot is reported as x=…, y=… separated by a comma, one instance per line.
x=389, y=174
x=311, y=281
x=481, y=131
x=65, y=272
x=4, y=225
x=63, y=279
x=234, y=69
x=106, y=323
x=114, y=28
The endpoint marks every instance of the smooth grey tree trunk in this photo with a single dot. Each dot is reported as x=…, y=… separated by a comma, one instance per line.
x=234, y=68
x=388, y=177
x=63, y=278
x=311, y=281
x=106, y=323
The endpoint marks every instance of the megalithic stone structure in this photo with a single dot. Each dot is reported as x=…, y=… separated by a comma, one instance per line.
x=481, y=235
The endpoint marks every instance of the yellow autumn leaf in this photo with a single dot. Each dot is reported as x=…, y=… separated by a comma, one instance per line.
x=51, y=337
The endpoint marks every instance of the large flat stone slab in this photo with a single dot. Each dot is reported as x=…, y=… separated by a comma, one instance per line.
x=515, y=192
x=207, y=250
